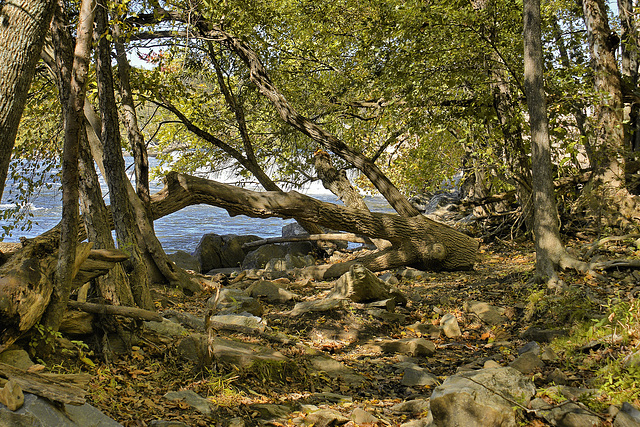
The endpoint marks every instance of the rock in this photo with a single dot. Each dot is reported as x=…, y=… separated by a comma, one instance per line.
x=334, y=369
x=236, y=422
x=243, y=354
x=417, y=376
x=185, y=261
x=185, y=319
x=531, y=346
x=413, y=407
x=489, y=314
x=527, y=363
x=194, y=348
x=318, y=305
x=628, y=416
x=289, y=262
x=11, y=395
x=166, y=328
x=360, y=285
x=16, y=357
x=359, y=416
x=425, y=422
x=40, y=412
x=260, y=257
x=199, y=403
x=490, y=364
x=331, y=397
x=270, y=292
x=414, y=346
x=426, y=329
x=269, y=411
x=215, y=251
x=326, y=418
x=449, y=325
x=411, y=273
x=459, y=401
x=237, y=322
x=233, y=301
x=548, y=355
x=557, y=377
x=385, y=316
x=566, y=415
x=389, y=278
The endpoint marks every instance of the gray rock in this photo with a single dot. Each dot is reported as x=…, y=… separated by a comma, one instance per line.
x=39, y=412
x=489, y=314
x=243, y=354
x=557, y=377
x=193, y=399
x=166, y=328
x=260, y=257
x=319, y=305
x=426, y=329
x=359, y=416
x=360, y=285
x=628, y=416
x=238, y=322
x=389, y=278
x=194, y=348
x=531, y=346
x=269, y=411
x=185, y=260
x=527, y=363
x=289, y=262
x=417, y=376
x=474, y=398
x=411, y=273
x=185, y=319
x=233, y=301
x=569, y=415
x=548, y=355
x=424, y=422
x=414, y=407
x=416, y=347
x=215, y=251
x=16, y=357
x=335, y=369
x=449, y=325
x=326, y=418
x=270, y=292
x=490, y=364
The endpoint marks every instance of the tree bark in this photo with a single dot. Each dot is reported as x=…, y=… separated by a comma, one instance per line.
x=123, y=215
x=549, y=248
x=609, y=136
x=416, y=241
x=73, y=133
x=23, y=26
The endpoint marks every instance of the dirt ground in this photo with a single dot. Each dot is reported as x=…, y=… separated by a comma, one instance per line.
x=130, y=389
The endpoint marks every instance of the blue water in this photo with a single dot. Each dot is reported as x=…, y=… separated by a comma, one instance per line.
x=181, y=230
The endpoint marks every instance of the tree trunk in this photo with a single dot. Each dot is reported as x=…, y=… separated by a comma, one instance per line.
x=416, y=241
x=549, y=249
x=23, y=26
x=73, y=132
x=609, y=178
x=117, y=180
x=136, y=139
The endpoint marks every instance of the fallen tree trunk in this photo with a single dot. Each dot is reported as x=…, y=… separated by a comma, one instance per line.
x=26, y=281
x=416, y=241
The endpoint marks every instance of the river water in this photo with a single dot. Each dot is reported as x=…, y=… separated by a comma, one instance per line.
x=181, y=230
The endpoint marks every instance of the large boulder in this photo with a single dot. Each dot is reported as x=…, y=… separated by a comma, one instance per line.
x=216, y=251
x=486, y=397
x=360, y=285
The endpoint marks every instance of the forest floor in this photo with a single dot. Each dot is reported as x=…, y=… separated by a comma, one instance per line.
x=131, y=388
